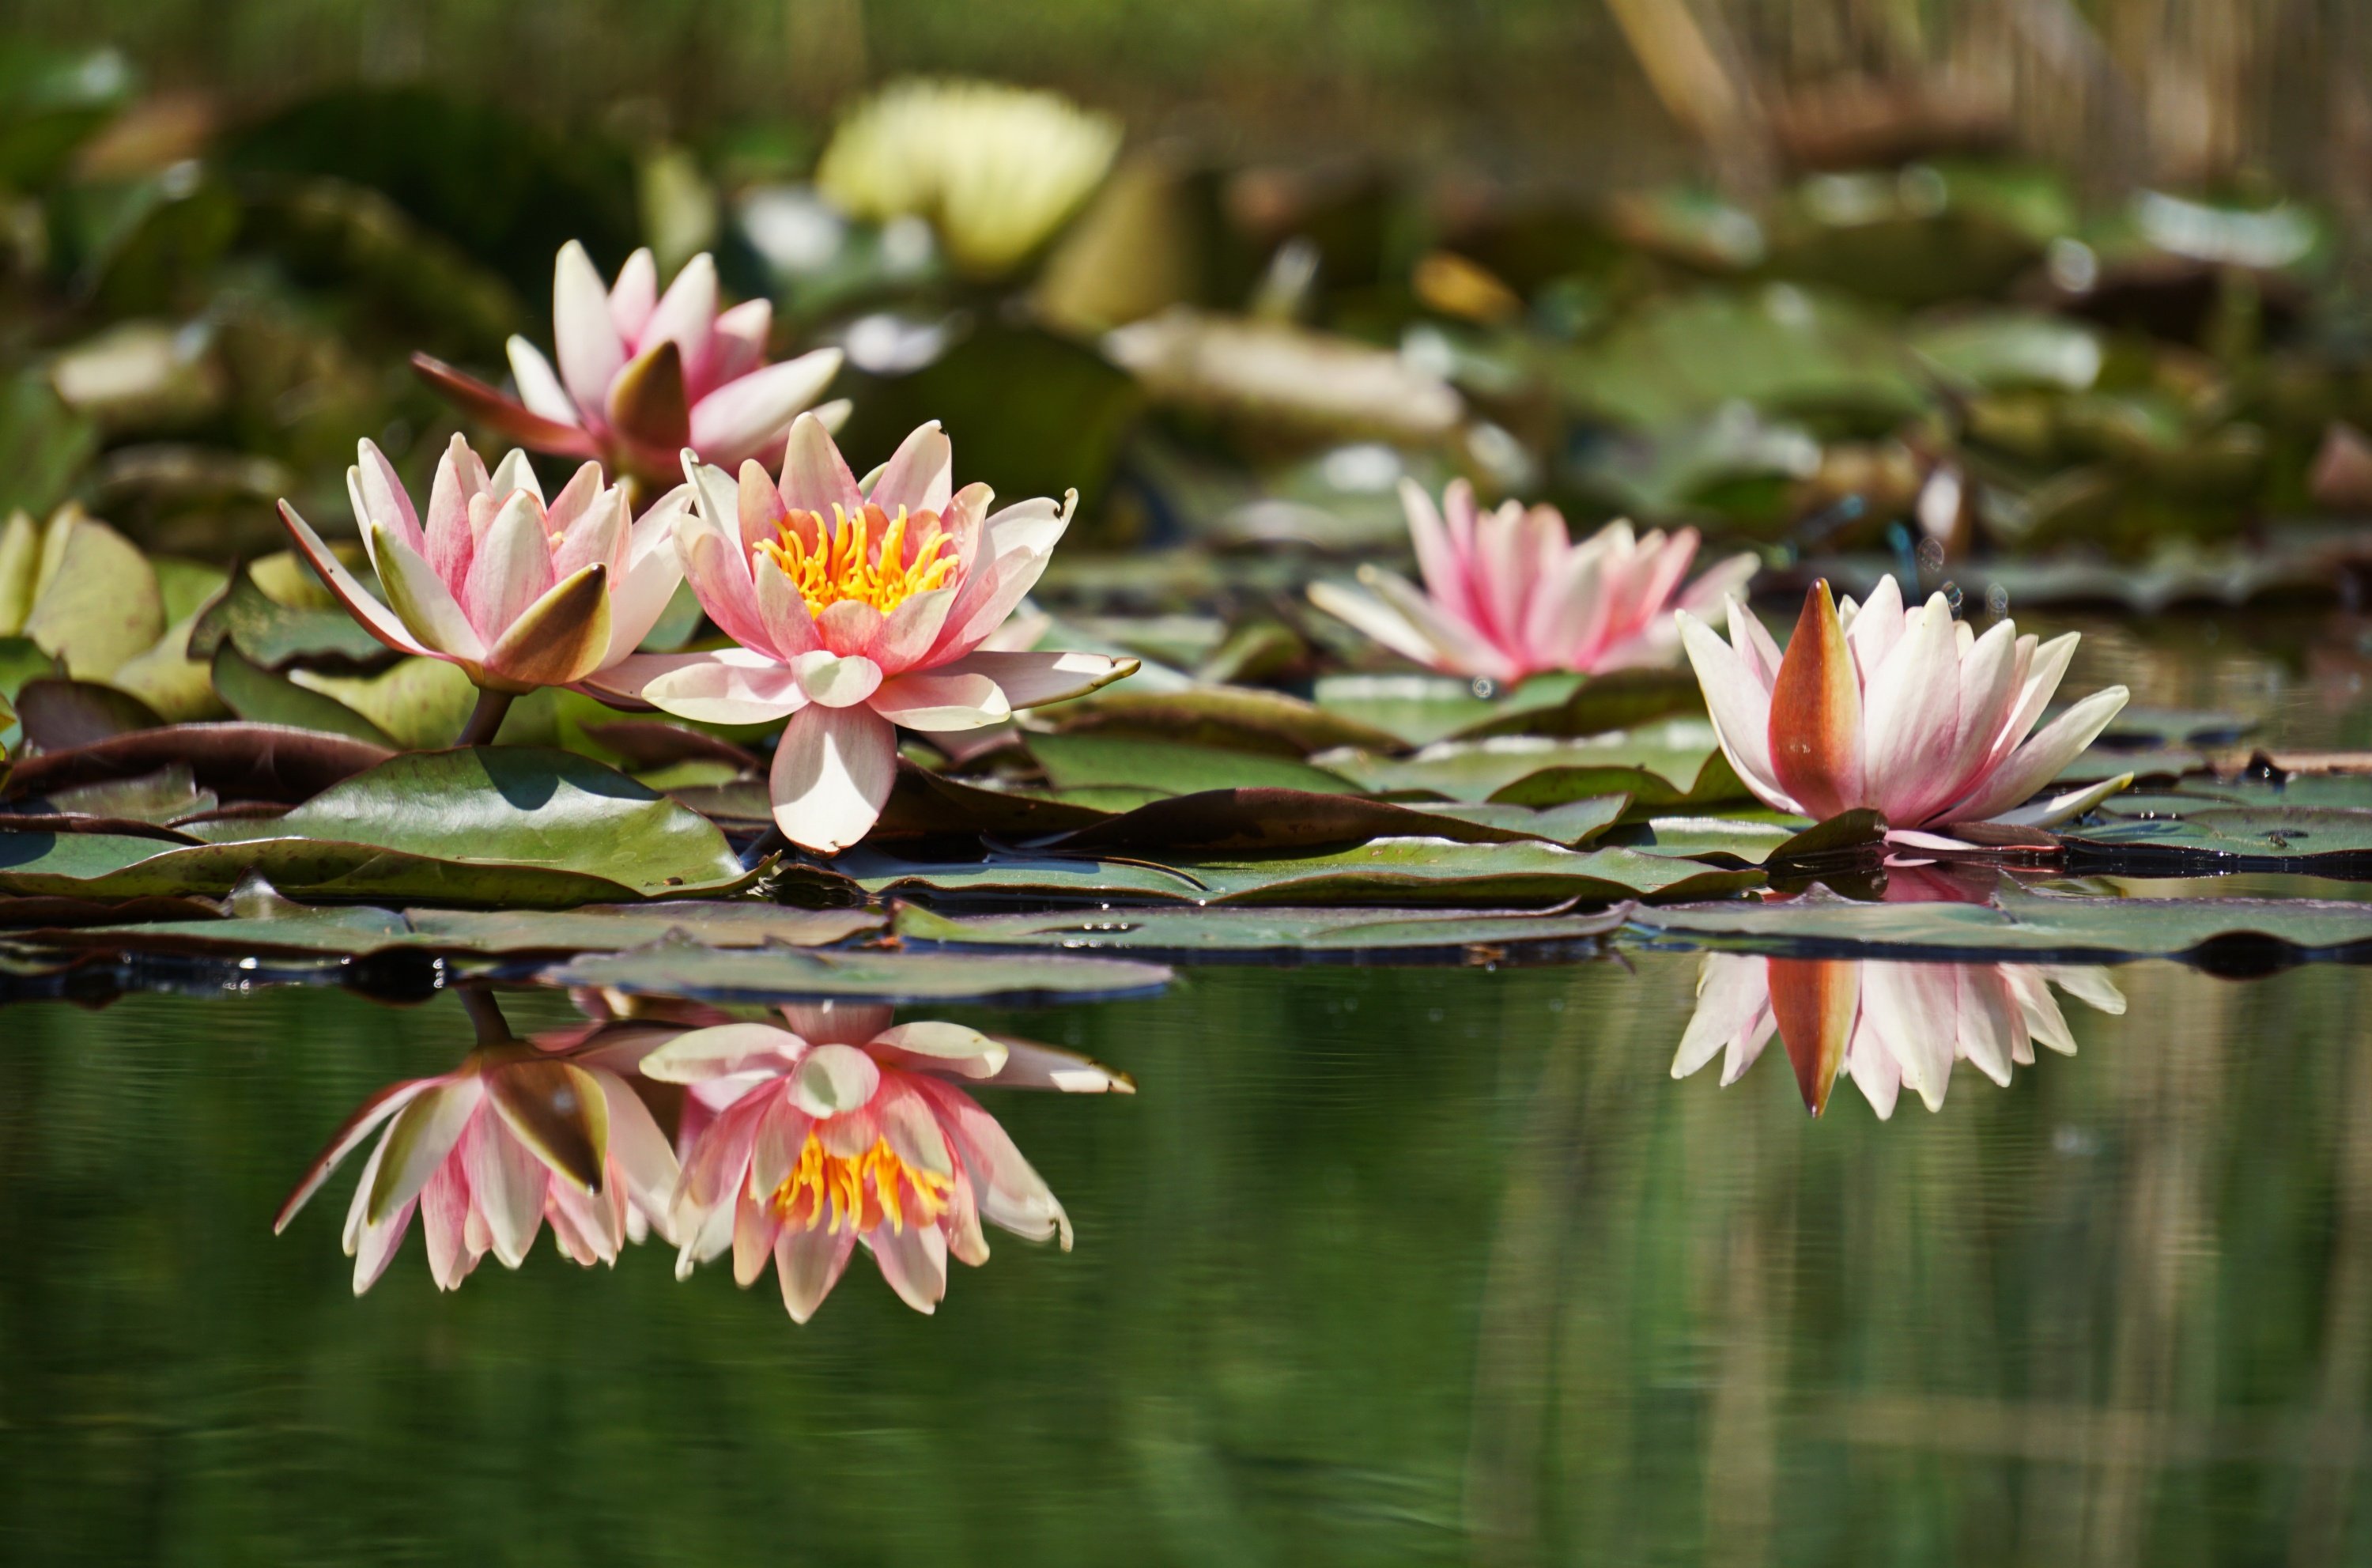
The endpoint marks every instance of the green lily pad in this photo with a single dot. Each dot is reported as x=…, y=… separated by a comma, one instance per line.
x=276, y=927
x=1240, y=717
x=1422, y=709
x=264, y=697
x=1620, y=700
x=275, y=634
x=1780, y=348
x=2020, y=923
x=58, y=715
x=680, y=968
x=1259, y=821
x=1402, y=934
x=1668, y=765
x=239, y=761
x=101, y=607
x=519, y=827
x=2323, y=826
x=1099, y=761
x=1387, y=871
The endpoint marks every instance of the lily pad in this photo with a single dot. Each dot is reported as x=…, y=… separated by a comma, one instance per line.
x=1241, y=821
x=239, y=761
x=1239, y=717
x=259, y=695
x=283, y=927
x=2322, y=826
x=1386, y=871
x=1399, y=935
x=1663, y=765
x=305, y=622
x=2065, y=928
x=1171, y=767
x=1422, y=709
x=680, y=968
x=1620, y=700
x=519, y=827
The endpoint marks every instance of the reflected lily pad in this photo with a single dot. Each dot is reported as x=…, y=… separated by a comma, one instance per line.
x=2065, y=927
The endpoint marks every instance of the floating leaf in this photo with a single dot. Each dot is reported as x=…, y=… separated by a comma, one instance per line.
x=1404, y=934
x=2322, y=826
x=239, y=761
x=674, y=967
x=1622, y=699
x=511, y=826
x=1387, y=871
x=2021, y=923
x=422, y=704
x=257, y=694
x=1093, y=761
x=1422, y=709
x=1256, y=821
x=1538, y=771
x=273, y=630
x=288, y=928
x=58, y=715
x=1236, y=717
x=101, y=606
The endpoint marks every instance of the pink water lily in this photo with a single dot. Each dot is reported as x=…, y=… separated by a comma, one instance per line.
x=840, y=1128
x=1909, y=713
x=857, y=609
x=1510, y=594
x=519, y=592
x=1887, y=1025
x=520, y=1135
x=644, y=375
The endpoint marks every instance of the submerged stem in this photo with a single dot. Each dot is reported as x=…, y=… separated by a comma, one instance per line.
x=485, y=1017
x=486, y=718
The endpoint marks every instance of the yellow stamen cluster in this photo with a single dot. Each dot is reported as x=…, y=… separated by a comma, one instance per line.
x=857, y=1193
x=843, y=563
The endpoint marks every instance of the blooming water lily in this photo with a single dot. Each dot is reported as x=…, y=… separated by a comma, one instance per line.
x=1887, y=1025
x=996, y=170
x=1909, y=712
x=644, y=375
x=841, y=1129
x=520, y=1133
x=519, y=592
x=1510, y=594
x=857, y=609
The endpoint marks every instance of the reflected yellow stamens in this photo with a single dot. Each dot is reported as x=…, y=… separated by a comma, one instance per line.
x=845, y=564
x=858, y=1192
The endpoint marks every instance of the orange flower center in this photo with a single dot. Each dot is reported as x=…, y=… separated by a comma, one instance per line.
x=858, y=1191
x=845, y=562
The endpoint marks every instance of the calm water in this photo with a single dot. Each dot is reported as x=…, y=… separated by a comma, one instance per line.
x=1378, y=1266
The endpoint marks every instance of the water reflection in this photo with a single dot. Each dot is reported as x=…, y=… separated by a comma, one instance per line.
x=842, y=1128
x=1887, y=1025
x=798, y=1141
x=521, y=1133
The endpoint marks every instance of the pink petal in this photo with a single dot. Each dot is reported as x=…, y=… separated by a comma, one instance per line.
x=634, y=294
x=754, y=411
x=2038, y=762
x=728, y=686
x=591, y=350
x=718, y=572
x=908, y=631
x=373, y=616
x=741, y=344
x=920, y=476
x=460, y=478
x=1816, y=716
x=685, y=315
x=1740, y=706
x=848, y=626
x=791, y=632
x=941, y=699
x=1911, y=716
x=1437, y=562
x=815, y=476
x=915, y=1261
x=512, y=568
x=834, y=681
x=1030, y=679
x=425, y=605
x=377, y=495
x=539, y=383
x=831, y=775
x=809, y=1264
x=367, y=1116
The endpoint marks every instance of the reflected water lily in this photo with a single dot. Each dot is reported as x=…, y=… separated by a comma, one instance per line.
x=519, y=591
x=521, y=1134
x=857, y=609
x=1510, y=594
x=1909, y=712
x=839, y=1126
x=1886, y=1024
x=643, y=373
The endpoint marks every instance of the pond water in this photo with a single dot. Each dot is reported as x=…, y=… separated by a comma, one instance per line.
x=1529, y=1263
x=1376, y=1265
